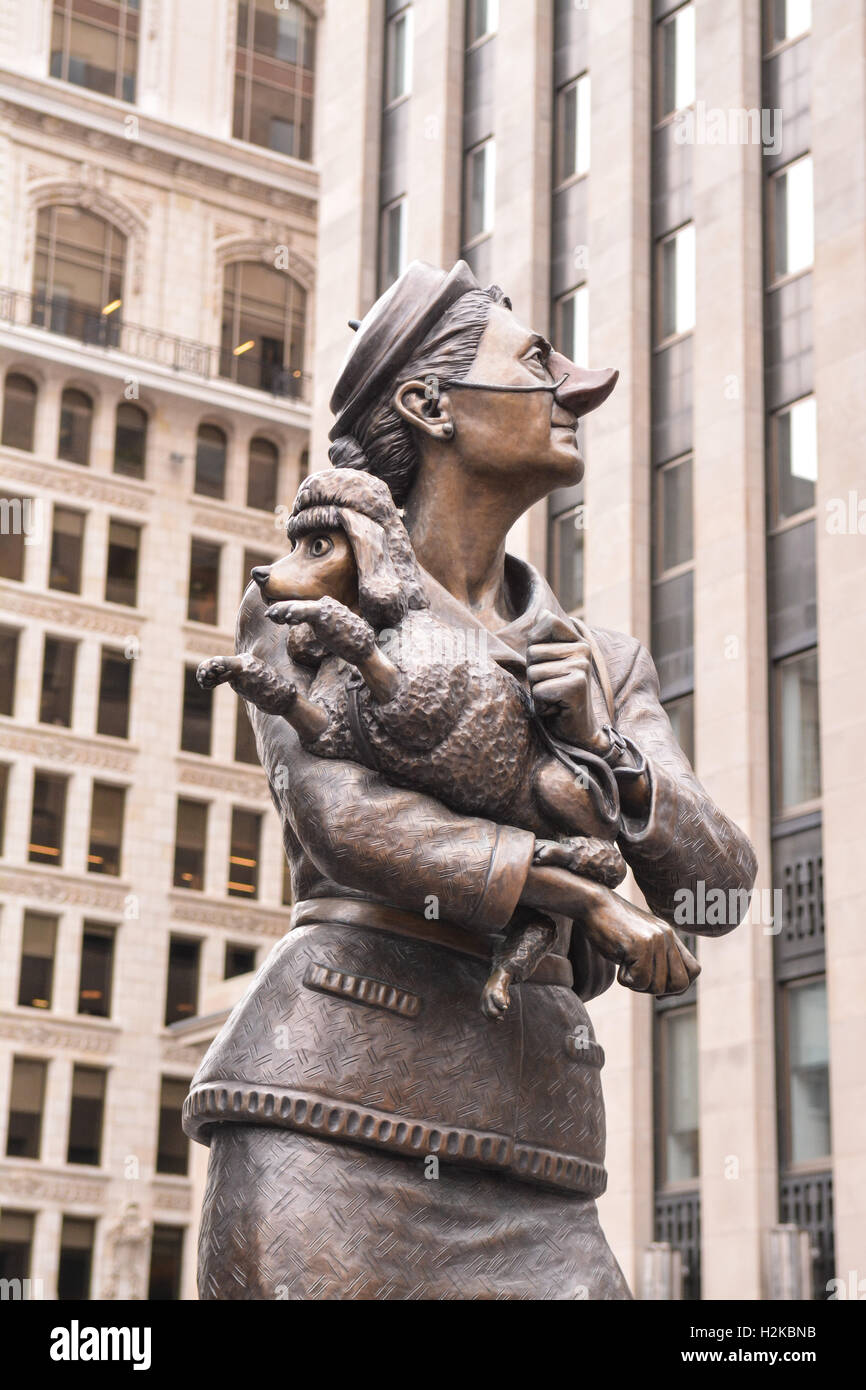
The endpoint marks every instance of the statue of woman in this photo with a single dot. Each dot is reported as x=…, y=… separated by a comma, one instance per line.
x=372, y=1134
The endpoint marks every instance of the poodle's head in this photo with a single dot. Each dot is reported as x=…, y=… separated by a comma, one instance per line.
x=349, y=543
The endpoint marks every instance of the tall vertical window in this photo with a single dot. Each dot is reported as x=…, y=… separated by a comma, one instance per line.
x=172, y=1145
x=67, y=544
x=392, y=242
x=86, y=1112
x=239, y=960
x=121, y=574
x=573, y=129
x=676, y=283
x=788, y=19
x=794, y=459
x=197, y=718
x=130, y=440
x=807, y=1079
x=482, y=19
x=792, y=205
x=78, y=273
x=166, y=1262
x=480, y=191
x=566, y=556
x=94, y=43
x=263, y=328
x=76, y=1259
x=243, y=875
x=211, y=451
x=13, y=518
x=274, y=72
x=47, y=819
x=190, y=842
x=571, y=325
x=16, y=1244
x=115, y=681
x=26, y=1104
x=76, y=423
x=677, y=61
x=677, y=1133
x=38, y=945
x=9, y=638
x=19, y=412
x=58, y=681
x=253, y=559
x=181, y=997
x=399, y=55
x=673, y=512
x=106, y=829
x=245, y=739
x=681, y=713
x=4, y=797
x=97, y=970
x=262, y=473
x=204, y=571
x=797, y=722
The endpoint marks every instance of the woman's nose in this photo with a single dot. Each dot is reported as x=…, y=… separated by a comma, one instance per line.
x=583, y=390
x=261, y=574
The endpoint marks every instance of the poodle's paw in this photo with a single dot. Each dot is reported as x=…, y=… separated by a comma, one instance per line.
x=495, y=997
x=216, y=670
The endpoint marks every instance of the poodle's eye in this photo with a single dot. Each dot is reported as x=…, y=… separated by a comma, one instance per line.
x=320, y=546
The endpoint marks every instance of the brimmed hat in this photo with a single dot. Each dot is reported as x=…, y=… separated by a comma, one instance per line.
x=387, y=338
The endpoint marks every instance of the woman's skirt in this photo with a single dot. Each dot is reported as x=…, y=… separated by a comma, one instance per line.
x=291, y=1217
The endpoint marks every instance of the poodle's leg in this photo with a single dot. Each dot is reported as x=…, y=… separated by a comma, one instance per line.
x=263, y=687
x=600, y=860
x=527, y=941
x=346, y=635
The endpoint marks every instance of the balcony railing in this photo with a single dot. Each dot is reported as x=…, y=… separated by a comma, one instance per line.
x=678, y=1222
x=83, y=324
x=806, y=1200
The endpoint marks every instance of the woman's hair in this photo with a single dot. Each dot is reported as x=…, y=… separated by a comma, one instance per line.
x=385, y=444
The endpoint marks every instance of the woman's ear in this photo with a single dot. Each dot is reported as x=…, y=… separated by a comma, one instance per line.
x=412, y=403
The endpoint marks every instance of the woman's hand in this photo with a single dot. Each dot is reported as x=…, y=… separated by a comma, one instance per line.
x=559, y=669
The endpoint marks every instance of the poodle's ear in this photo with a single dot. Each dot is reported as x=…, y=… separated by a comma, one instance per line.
x=381, y=596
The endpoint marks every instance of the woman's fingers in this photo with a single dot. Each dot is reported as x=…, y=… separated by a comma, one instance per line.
x=558, y=651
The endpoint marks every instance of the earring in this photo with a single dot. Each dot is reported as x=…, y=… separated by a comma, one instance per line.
x=448, y=429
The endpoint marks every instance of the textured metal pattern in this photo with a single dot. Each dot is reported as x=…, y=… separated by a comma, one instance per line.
x=366, y=991
x=291, y=1217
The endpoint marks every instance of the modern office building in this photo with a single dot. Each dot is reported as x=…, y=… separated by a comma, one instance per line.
x=678, y=190
x=157, y=278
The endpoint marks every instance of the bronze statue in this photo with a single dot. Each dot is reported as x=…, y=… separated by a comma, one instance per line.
x=455, y=827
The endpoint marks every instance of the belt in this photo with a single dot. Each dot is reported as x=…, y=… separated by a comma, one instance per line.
x=359, y=912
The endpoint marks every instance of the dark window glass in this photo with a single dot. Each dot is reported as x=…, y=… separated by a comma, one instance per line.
x=204, y=573
x=788, y=19
x=807, y=1084
x=795, y=459
x=189, y=845
x=392, y=243
x=676, y=283
x=9, y=639
x=798, y=731
x=274, y=67
x=263, y=328
x=681, y=713
x=16, y=1244
x=262, y=475
x=245, y=739
x=76, y=421
x=793, y=217
x=398, y=56
x=243, y=876
x=482, y=18
x=38, y=945
x=181, y=997
x=115, y=683
x=26, y=1101
x=58, y=680
x=94, y=43
x=573, y=128
x=566, y=536
x=210, y=461
x=46, y=823
x=240, y=960
x=677, y=60
x=97, y=970
x=86, y=1112
x=76, y=1259
x=166, y=1260
x=678, y=1121
x=172, y=1148
x=4, y=794
x=16, y=519
x=675, y=541
x=195, y=732
x=130, y=440
x=121, y=579
x=78, y=275
x=19, y=412
x=480, y=190
x=106, y=829
x=253, y=558
x=67, y=542
x=287, y=897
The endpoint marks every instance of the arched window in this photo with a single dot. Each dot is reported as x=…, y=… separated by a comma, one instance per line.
x=130, y=440
x=275, y=63
x=96, y=45
x=76, y=420
x=19, y=411
x=263, y=328
x=210, y=461
x=262, y=475
x=78, y=274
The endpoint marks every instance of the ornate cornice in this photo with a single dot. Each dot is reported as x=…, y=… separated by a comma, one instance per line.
x=52, y=1186
x=69, y=611
x=43, y=1031
x=59, y=746
x=170, y=1198
x=55, y=887
x=244, y=920
x=248, y=785
x=80, y=482
x=207, y=641
x=237, y=523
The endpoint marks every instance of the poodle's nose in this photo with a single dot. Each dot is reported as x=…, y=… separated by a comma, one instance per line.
x=260, y=574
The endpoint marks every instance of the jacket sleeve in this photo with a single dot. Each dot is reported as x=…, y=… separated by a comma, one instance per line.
x=685, y=842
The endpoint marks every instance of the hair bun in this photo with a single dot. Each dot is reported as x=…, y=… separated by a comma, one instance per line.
x=347, y=453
